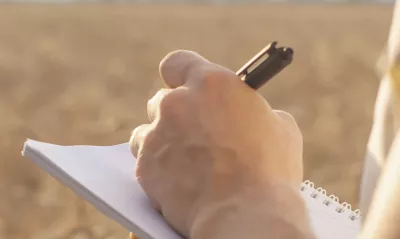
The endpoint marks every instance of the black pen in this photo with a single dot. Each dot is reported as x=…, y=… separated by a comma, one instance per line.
x=272, y=61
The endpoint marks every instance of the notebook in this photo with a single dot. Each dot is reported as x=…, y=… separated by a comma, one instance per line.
x=104, y=176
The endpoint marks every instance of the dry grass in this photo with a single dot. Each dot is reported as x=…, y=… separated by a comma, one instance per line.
x=81, y=74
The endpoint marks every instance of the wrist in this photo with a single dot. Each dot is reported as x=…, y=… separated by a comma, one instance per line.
x=278, y=211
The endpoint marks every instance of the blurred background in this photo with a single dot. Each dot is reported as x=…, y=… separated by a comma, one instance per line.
x=82, y=73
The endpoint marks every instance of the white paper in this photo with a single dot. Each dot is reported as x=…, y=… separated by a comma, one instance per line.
x=104, y=176
x=325, y=221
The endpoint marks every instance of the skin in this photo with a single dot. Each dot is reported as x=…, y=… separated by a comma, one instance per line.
x=210, y=216
x=216, y=160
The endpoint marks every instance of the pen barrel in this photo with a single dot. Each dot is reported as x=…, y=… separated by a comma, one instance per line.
x=269, y=68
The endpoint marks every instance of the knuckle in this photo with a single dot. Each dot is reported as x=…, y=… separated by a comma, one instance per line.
x=135, y=139
x=149, y=137
x=132, y=145
x=138, y=138
x=171, y=103
x=157, y=98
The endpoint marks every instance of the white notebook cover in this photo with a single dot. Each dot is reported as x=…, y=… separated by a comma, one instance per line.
x=104, y=176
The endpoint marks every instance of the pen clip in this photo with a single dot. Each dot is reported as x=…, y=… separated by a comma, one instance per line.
x=273, y=60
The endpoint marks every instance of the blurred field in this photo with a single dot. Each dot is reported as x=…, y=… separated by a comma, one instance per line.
x=82, y=74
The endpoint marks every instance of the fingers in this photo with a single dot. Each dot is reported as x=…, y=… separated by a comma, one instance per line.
x=137, y=137
x=179, y=66
x=154, y=102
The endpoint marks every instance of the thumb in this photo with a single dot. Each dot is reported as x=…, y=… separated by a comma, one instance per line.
x=179, y=66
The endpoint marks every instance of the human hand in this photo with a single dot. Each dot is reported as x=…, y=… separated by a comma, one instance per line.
x=216, y=160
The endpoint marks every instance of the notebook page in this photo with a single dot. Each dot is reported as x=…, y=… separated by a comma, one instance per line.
x=326, y=221
x=104, y=176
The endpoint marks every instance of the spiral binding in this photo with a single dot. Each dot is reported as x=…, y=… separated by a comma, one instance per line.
x=330, y=200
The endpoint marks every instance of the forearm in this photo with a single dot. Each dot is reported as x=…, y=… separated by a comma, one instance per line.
x=281, y=214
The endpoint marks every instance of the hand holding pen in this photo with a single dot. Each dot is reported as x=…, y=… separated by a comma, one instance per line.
x=211, y=140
